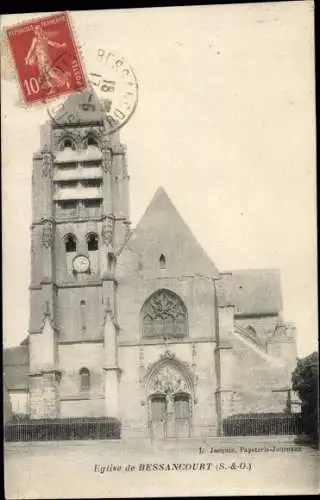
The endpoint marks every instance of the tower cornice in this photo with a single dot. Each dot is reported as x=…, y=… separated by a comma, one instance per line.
x=100, y=218
x=118, y=149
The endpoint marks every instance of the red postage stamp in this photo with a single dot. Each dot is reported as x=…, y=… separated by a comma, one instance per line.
x=46, y=58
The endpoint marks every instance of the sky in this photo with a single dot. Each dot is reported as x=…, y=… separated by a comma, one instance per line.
x=225, y=122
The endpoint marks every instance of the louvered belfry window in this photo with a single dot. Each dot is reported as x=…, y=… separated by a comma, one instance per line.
x=70, y=243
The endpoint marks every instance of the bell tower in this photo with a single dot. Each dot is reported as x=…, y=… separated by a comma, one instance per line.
x=80, y=221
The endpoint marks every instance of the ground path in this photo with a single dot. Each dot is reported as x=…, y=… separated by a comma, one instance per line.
x=78, y=469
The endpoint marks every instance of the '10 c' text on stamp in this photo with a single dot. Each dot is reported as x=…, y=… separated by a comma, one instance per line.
x=46, y=58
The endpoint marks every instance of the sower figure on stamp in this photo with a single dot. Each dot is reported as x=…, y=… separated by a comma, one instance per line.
x=38, y=54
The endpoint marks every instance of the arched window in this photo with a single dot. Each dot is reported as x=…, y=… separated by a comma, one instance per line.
x=164, y=315
x=92, y=242
x=70, y=243
x=67, y=143
x=162, y=261
x=84, y=379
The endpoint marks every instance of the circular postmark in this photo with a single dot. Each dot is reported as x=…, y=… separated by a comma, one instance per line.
x=111, y=96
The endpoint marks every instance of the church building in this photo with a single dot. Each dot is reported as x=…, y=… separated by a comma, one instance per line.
x=136, y=323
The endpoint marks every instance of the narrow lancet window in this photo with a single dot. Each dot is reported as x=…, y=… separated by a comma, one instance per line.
x=162, y=261
x=84, y=379
x=83, y=318
x=70, y=243
x=92, y=242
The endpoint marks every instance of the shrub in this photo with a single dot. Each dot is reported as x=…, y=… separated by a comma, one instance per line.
x=62, y=429
x=19, y=417
x=258, y=424
x=305, y=379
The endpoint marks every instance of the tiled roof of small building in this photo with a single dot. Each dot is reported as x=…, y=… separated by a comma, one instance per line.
x=16, y=367
x=16, y=377
x=251, y=291
x=25, y=341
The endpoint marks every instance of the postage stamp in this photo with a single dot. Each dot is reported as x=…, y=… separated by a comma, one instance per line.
x=113, y=87
x=46, y=58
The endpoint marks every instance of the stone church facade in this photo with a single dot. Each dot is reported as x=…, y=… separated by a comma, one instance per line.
x=136, y=324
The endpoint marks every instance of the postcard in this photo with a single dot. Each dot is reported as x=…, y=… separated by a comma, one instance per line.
x=159, y=251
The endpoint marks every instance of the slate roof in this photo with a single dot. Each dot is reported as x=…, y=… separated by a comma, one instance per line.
x=251, y=291
x=80, y=108
x=16, y=367
x=162, y=230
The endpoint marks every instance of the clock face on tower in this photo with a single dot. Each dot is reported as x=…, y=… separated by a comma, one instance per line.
x=80, y=264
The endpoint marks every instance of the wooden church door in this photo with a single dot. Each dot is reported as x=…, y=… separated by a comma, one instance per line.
x=158, y=417
x=182, y=415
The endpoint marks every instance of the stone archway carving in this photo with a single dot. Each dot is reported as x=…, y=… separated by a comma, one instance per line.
x=167, y=381
x=169, y=375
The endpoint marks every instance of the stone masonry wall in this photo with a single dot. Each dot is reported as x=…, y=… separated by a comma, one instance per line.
x=263, y=326
x=82, y=408
x=69, y=317
x=42, y=400
x=196, y=292
x=73, y=401
x=255, y=377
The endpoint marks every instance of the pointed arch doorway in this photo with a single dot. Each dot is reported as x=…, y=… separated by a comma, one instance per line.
x=170, y=402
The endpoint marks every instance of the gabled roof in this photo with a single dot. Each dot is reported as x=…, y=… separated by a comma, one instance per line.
x=162, y=231
x=251, y=291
